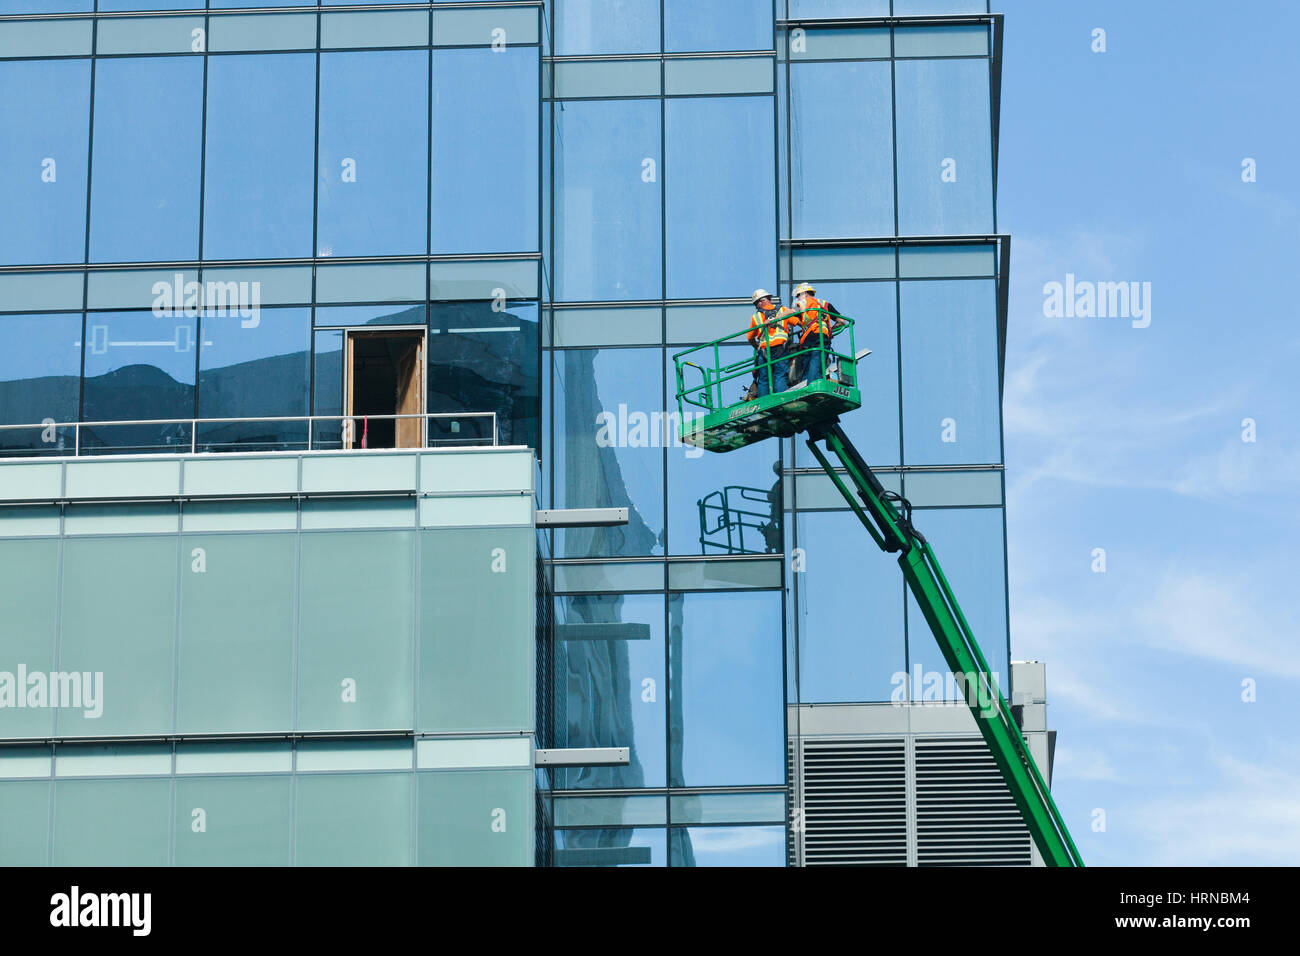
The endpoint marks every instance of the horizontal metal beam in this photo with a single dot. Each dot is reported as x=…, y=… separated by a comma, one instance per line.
x=812, y=242
x=209, y=737
x=584, y=757
x=930, y=21
x=212, y=265
x=581, y=517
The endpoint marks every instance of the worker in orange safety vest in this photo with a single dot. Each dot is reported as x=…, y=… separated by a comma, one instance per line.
x=815, y=328
x=770, y=336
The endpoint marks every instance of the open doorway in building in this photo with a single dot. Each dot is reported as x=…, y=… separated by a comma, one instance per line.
x=385, y=376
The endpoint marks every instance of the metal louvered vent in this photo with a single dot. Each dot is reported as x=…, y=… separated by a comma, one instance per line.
x=965, y=815
x=855, y=802
x=793, y=836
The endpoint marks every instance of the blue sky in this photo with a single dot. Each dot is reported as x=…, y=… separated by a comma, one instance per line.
x=1127, y=166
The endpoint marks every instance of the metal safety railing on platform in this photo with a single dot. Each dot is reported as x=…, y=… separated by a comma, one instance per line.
x=702, y=386
x=247, y=434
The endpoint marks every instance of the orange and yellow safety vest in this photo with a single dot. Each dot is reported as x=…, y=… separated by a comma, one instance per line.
x=812, y=320
x=762, y=335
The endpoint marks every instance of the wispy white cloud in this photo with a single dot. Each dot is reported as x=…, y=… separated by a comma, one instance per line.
x=1091, y=254
x=735, y=839
x=1082, y=763
x=1230, y=618
x=1245, y=814
x=1237, y=468
x=1256, y=197
x=1225, y=619
x=1094, y=697
x=1085, y=655
x=1101, y=424
x=1079, y=410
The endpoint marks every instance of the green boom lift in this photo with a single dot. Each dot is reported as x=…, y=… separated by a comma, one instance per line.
x=711, y=423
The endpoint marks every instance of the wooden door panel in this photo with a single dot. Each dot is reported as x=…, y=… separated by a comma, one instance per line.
x=410, y=397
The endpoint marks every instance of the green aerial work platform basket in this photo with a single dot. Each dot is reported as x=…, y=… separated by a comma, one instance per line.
x=710, y=422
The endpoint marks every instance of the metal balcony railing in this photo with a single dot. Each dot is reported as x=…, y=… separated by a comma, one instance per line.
x=218, y=435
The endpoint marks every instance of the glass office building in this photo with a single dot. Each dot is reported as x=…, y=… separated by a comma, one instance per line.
x=254, y=238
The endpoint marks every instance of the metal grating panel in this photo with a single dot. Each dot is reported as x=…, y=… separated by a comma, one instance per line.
x=965, y=815
x=854, y=794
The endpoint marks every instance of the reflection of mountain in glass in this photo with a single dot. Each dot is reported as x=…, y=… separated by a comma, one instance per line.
x=413, y=316
x=35, y=399
x=134, y=392
x=475, y=368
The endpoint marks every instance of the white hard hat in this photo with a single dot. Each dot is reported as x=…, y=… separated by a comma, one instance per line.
x=804, y=287
x=760, y=294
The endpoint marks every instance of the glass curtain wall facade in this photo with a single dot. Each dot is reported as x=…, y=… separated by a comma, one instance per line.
x=557, y=197
x=700, y=151
x=213, y=202
x=663, y=189
x=220, y=214
x=888, y=206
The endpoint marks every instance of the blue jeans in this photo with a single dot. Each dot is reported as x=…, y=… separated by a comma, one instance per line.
x=814, y=362
x=780, y=369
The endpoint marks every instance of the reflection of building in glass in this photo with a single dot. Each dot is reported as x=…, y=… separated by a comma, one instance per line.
x=440, y=228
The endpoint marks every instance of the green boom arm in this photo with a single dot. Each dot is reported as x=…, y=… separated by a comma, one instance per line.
x=893, y=531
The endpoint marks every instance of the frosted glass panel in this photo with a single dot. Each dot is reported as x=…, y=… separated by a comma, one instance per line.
x=354, y=754
x=476, y=632
x=476, y=818
x=111, y=822
x=236, y=657
x=355, y=636
x=234, y=756
x=354, y=820
x=28, y=581
x=24, y=822
x=232, y=821
x=119, y=620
